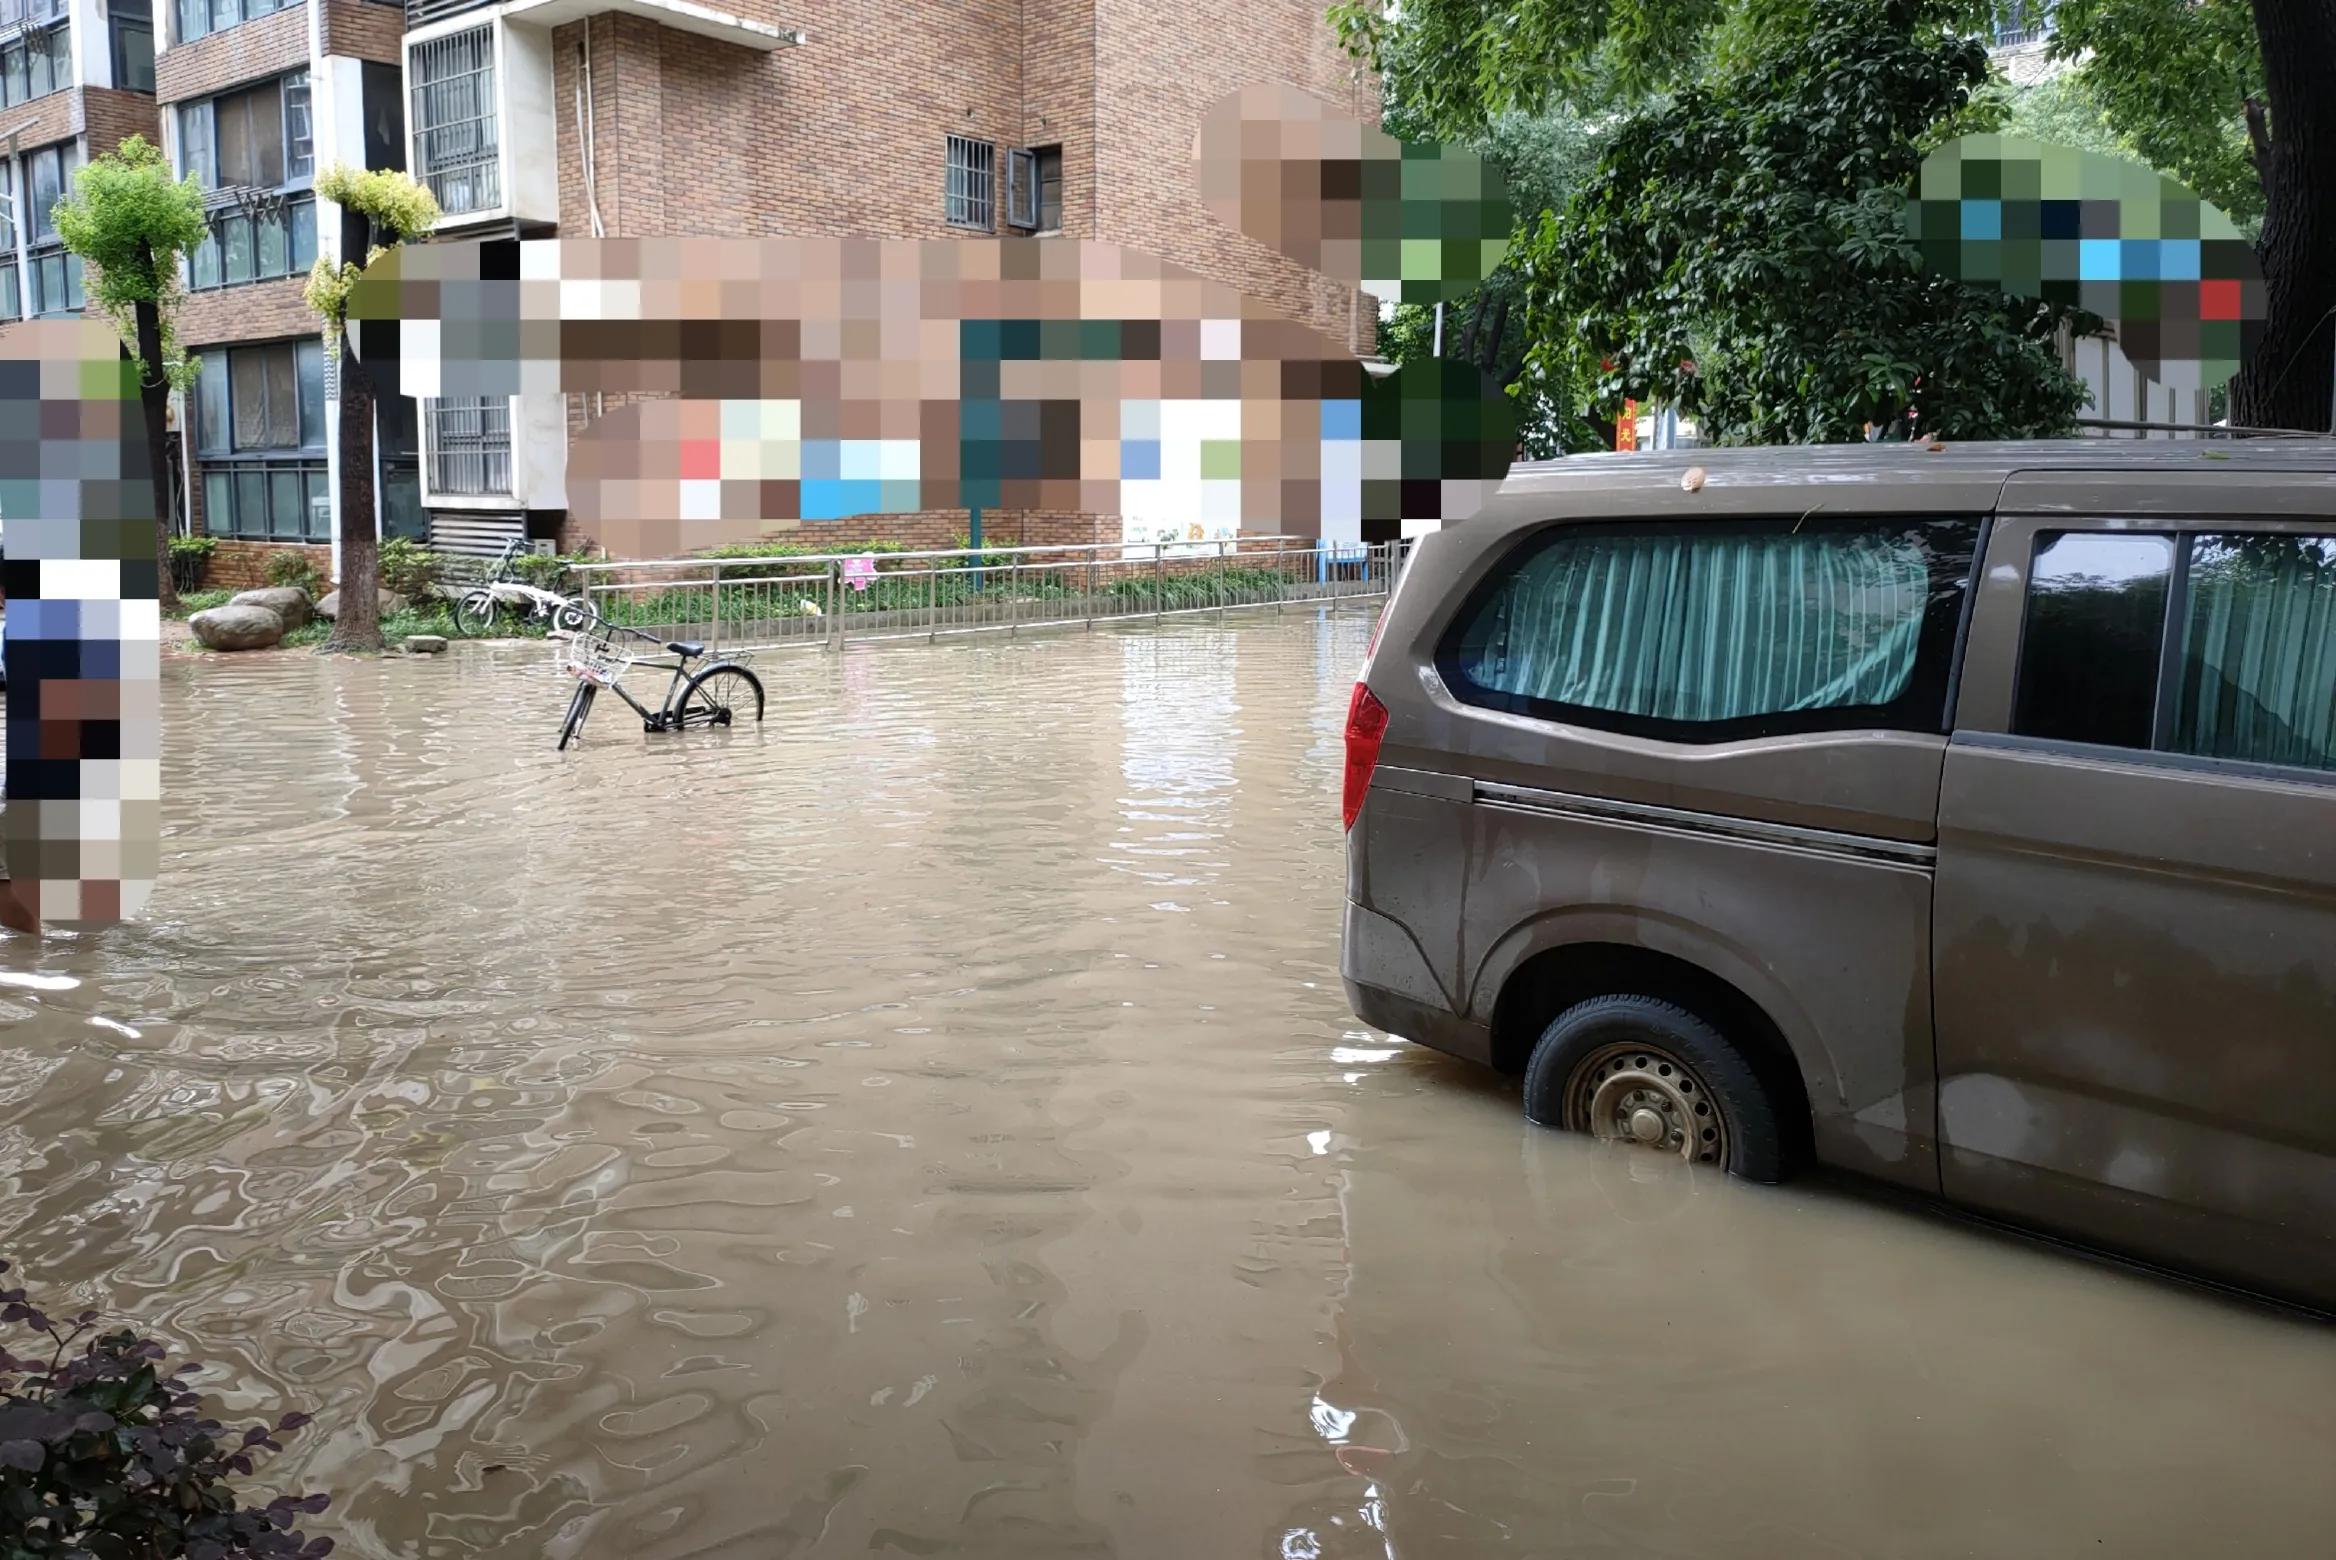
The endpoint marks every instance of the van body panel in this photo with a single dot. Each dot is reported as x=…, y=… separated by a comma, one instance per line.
x=1830, y=946
x=2136, y=961
x=1408, y=870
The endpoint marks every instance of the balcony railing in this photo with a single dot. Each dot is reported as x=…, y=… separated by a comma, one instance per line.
x=421, y=13
x=470, y=447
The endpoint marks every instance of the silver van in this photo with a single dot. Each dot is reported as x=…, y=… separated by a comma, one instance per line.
x=1961, y=817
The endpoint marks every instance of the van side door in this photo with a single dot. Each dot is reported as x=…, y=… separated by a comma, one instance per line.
x=2135, y=915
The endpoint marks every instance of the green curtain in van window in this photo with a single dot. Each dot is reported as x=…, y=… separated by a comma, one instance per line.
x=2259, y=652
x=1710, y=628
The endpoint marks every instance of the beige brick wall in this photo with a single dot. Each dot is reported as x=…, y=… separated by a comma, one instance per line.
x=257, y=311
x=1158, y=69
x=43, y=121
x=244, y=565
x=846, y=136
x=245, y=52
x=363, y=30
x=109, y=118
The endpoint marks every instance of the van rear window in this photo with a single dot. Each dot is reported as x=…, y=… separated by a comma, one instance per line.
x=1712, y=632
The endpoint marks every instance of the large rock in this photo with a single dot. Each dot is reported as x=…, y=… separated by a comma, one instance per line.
x=234, y=627
x=288, y=602
x=389, y=600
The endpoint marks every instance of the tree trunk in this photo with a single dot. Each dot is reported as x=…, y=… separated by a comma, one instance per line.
x=154, y=397
x=359, y=625
x=2291, y=380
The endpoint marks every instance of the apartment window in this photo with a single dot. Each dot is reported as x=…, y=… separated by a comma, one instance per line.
x=1715, y=633
x=259, y=432
x=56, y=275
x=2030, y=22
x=455, y=137
x=971, y=197
x=133, y=51
x=39, y=59
x=257, y=143
x=470, y=445
x=1034, y=189
x=11, y=283
x=199, y=17
x=2216, y=646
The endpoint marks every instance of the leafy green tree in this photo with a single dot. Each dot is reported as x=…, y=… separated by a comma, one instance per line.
x=2238, y=101
x=398, y=210
x=1740, y=254
x=2206, y=90
x=1544, y=159
x=129, y=221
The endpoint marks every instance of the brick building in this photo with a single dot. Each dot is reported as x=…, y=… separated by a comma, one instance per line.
x=632, y=118
x=255, y=97
x=76, y=79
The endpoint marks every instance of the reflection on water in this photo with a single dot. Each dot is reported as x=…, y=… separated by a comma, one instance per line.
x=930, y=1124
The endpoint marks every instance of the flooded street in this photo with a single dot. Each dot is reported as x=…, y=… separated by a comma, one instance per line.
x=930, y=1124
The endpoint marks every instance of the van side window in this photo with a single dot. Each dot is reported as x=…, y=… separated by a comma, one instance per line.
x=2095, y=629
x=2251, y=620
x=2257, y=676
x=1710, y=632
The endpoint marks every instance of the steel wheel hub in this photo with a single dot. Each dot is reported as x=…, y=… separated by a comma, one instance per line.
x=1646, y=1098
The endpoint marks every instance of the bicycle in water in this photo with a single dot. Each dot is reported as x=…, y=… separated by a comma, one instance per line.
x=485, y=609
x=720, y=692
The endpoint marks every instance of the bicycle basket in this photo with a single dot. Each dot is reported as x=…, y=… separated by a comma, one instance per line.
x=593, y=660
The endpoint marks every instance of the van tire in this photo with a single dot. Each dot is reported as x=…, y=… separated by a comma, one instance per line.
x=1591, y=1032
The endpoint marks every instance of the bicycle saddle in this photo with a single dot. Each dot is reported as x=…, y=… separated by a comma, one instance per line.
x=687, y=649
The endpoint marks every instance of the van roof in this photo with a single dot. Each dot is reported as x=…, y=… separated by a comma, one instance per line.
x=1896, y=475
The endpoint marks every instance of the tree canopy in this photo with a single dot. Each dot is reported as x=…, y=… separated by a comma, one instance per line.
x=129, y=221
x=1740, y=253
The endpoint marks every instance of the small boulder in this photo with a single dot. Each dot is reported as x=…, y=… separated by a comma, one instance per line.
x=390, y=601
x=235, y=627
x=288, y=602
x=425, y=644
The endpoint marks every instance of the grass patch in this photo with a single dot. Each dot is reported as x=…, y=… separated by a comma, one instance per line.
x=194, y=601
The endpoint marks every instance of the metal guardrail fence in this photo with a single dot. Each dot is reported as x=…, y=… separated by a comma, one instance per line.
x=825, y=600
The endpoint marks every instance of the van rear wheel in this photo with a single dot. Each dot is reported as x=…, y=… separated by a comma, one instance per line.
x=1648, y=1073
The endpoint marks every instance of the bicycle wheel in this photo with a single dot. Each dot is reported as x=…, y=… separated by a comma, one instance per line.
x=720, y=695
x=578, y=707
x=570, y=616
x=477, y=615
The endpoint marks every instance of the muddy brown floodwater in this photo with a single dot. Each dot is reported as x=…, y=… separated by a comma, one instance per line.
x=930, y=1124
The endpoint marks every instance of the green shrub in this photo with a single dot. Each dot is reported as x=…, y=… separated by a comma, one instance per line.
x=194, y=601
x=411, y=571
x=193, y=546
x=292, y=568
x=546, y=571
x=104, y=1450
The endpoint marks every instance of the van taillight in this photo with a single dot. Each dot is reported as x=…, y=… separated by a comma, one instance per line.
x=1366, y=727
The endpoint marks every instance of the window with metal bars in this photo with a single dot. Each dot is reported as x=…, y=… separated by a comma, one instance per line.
x=1034, y=188
x=970, y=199
x=455, y=134
x=469, y=444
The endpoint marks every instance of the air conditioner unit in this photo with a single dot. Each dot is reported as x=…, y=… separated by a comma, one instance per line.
x=544, y=547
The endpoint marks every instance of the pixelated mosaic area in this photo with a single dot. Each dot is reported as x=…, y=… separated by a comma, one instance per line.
x=82, y=828
x=1410, y=222
x=820, y=378
x=2180, y=284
